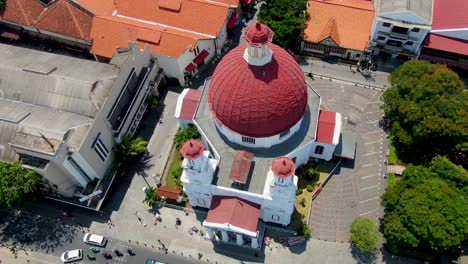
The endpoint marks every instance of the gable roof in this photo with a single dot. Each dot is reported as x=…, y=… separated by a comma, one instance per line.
x=21, y=11
x=450, y=14
x=420, y=8
x=347, y=22
x=67, y=18
x=110, y=32
x=198, y=16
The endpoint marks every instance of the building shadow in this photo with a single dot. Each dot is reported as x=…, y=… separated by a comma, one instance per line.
x=242, y=254
x=364, y=258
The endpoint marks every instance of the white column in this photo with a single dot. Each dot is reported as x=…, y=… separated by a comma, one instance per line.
x=224, y=236
x=254, y=242
x=240, y=240
x=210, y=233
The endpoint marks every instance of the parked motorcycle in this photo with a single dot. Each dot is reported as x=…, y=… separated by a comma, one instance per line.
x=94, y=249
x=130, y=252
x=91, y=257
x=107, y=255
x=118, y=253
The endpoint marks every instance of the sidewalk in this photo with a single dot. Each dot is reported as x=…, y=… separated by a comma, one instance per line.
x=342, y=72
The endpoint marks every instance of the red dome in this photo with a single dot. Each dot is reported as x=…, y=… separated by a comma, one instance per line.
x=258, y=101
x=283, y=167
x=258, y=34
x=192, y=149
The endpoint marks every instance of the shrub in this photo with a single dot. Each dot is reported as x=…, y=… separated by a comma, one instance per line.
x=365, y=234
x=299, y=191
x=2, y=5
x=303, y=230
x=151, y=196
x=310, y=188
x=303, y=201
x=184, y=135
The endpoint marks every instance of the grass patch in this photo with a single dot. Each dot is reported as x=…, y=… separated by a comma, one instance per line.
x=303, y=210
x=393, y=158
x=391, y=179
x=175, y=171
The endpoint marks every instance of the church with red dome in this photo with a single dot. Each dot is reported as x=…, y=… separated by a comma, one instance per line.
x=259, y=120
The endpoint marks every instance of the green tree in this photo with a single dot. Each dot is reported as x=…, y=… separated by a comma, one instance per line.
x=286, y=19
x=152, y=102
x=364, y=234
x=428, y=109
x=2, y=5
x=129, y=149
x=185, y=134
x=425, y=209
x=151, y=196
x=16, y=183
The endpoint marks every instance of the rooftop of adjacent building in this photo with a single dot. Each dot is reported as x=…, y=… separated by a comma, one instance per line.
x=450, y=14
x=263, y=157
x=347, y=22
x=420, y=8
x=44, y=96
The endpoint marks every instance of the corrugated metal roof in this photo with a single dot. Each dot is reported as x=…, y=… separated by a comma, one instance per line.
x=421, y=8
x=61, y=82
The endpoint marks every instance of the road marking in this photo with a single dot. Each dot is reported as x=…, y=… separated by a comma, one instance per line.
x=378, y=102
x=369, y=212
x=368, y=176
x=369, y=187
x=362, y=110
x=367, y=165
x=370, y=112
x=372, y=153
x=368, y=200
x=372, y=132
x=372, y=142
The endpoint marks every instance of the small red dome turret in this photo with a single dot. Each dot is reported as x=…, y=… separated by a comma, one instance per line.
x=192, y=149
x=258, y=34
x=283, y=167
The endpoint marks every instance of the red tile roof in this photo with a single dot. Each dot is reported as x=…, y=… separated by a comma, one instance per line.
x=169, y=193
x=173, y=5
x=241, y=166
x=450, y=14
x=347, y=22
x=66, y=18
x=192, y=149
x=234, y=211
x=283, y=167
x=21, y=12
x=199, y=16
x=326, y=127
x=454, y=45
x=99, y=8
x=190, y=103
x=110, y=32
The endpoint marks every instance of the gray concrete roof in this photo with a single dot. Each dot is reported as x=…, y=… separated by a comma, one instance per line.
x=263, y=157
x=43, y=96
x=421, y=8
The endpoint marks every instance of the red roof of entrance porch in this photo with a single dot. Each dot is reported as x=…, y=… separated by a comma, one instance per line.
x=233, y=213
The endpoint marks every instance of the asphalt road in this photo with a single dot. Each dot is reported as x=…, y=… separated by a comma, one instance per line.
x=53, y=237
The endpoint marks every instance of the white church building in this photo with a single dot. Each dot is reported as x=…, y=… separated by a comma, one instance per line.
x=259, y=121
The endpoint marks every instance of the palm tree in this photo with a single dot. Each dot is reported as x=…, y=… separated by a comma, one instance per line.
x=130, y=148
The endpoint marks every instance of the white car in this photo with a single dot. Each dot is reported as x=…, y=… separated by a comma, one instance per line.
x=94, y=239
x=71, y=255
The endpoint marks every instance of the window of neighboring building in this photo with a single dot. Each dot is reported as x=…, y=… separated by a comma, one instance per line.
x=248, y=140
x=284, y=134
x=358, y=56
x=79, y=169
x=275, y=217
x=319, y=149
x=409, y=43
x=385, y=24
x=380, y=38
x=101, y=150
x=415, y=30
x=196, y=50
x=280, y=180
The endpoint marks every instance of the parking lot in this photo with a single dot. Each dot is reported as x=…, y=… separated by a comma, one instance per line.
x=356, y=188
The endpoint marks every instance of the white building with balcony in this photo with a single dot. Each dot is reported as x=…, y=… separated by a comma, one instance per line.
x=401, y=27
x=62, y=116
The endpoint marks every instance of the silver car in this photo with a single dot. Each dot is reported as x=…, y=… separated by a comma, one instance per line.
x=93, y=239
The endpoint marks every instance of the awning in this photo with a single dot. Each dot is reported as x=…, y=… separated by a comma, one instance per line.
x=347, y=146
x=190, y=67
x=233, y=214
x=199, y=59
x=169, y=193
x=241, y=166
x=247, y=2
x=232, y=20
x=10, y=35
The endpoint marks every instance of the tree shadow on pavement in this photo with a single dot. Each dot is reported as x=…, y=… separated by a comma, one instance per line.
x=37, y=233
x=367, y=258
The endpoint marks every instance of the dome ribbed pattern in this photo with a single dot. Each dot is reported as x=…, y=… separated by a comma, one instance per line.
x=258, y=34
x=258, y=101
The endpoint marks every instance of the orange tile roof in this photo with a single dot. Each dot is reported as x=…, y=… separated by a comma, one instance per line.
x=232, y=3
x=110, y=32
x=347, y=22
x=201, y=16
x=22, y=12
x=66, y=18
x=173, y=5
x=98, y=7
